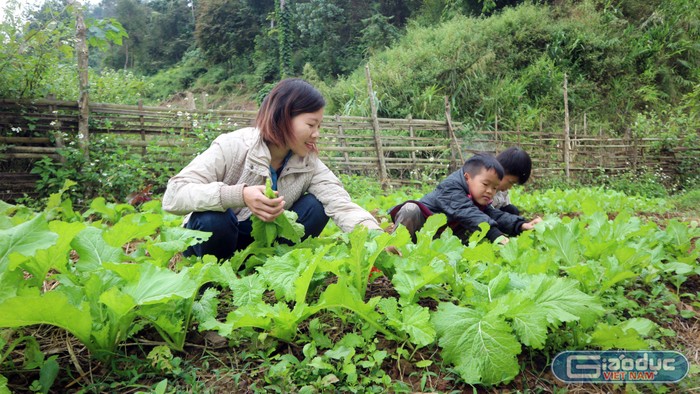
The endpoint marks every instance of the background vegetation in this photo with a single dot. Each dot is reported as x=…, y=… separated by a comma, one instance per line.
x=633, y=68
x=493, y=58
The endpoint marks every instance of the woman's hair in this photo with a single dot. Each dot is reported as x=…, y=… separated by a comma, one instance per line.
x=289, y=98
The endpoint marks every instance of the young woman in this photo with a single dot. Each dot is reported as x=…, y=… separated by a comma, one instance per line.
x=221, y=188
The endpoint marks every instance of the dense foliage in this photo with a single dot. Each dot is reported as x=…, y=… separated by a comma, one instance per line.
x=512, y=65
x=504, y=59
x=632, y=68
x=37, y=58
x=304, y=318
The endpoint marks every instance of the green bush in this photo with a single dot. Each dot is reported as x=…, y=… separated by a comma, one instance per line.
x=688, y=201
x=180, y=77
x=512, y=65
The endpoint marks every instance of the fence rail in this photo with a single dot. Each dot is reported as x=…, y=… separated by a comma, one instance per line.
x=32, y=130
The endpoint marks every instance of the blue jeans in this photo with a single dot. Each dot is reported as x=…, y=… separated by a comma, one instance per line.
x=229, y=235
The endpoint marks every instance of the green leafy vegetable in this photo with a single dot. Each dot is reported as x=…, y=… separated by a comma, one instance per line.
x=284, y=225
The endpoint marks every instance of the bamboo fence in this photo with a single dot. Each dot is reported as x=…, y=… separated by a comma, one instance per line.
x=393, y=150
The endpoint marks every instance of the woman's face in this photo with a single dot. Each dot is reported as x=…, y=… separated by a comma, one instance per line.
x=306, y=128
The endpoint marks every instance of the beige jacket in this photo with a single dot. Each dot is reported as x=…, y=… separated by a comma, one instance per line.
x=214, y=181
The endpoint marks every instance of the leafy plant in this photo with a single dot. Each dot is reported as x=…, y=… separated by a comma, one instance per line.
x=104, y=291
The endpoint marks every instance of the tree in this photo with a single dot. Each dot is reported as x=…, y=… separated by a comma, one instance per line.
x=135, y=17
x=31, y=50
x=284, y=32
x=226, y=29
x=170, y=32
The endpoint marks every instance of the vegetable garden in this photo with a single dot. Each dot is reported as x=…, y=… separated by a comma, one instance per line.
x=96, y=296
x=104, y=301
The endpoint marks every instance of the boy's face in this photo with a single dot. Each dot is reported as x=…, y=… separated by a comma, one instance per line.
x=507, y=182
x=483, y=185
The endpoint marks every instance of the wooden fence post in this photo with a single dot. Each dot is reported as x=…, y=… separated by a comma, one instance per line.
x=343, y=143
x=412, y=134
x=495, y=134
x=375, y=126
x=631, y=149
x=83, y=100
x=454, y=144
x=143, y=128
x=567, y=164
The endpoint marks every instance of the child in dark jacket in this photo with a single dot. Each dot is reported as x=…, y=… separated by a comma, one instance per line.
x=465, y=197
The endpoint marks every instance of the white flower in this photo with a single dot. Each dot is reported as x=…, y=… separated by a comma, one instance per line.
x=179, y=113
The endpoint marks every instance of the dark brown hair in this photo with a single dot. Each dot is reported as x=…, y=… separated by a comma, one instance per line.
x=516, y=161
x=289, y=98
x=482, y=161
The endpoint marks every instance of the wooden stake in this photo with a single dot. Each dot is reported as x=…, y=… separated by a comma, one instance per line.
x=375, y=125
x=567, y=164
x=412, y=134
x=83, y=101
x=143, y=129
x=454, y=145
x=343, y=143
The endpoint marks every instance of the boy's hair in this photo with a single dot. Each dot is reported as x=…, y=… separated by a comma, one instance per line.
x=289, y=98
x=482, y=161
x=516, y=161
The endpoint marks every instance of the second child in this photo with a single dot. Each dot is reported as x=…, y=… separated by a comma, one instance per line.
x=465, y=197
x=517, y=167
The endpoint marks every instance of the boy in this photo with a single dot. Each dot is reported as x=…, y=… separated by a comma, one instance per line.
x=517, y=167
x=465, y=198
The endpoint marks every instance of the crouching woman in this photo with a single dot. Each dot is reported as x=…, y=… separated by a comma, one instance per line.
x=222, y=187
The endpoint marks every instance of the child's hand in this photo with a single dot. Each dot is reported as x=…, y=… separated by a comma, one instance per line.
x=531, y=224
x=503, y=240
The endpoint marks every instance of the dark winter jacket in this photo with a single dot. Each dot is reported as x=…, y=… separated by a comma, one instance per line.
x=452, y=198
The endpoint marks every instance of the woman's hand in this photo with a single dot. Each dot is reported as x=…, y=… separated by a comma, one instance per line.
x=267, y=209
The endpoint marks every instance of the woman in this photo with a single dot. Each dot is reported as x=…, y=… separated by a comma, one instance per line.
x=223, y=186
